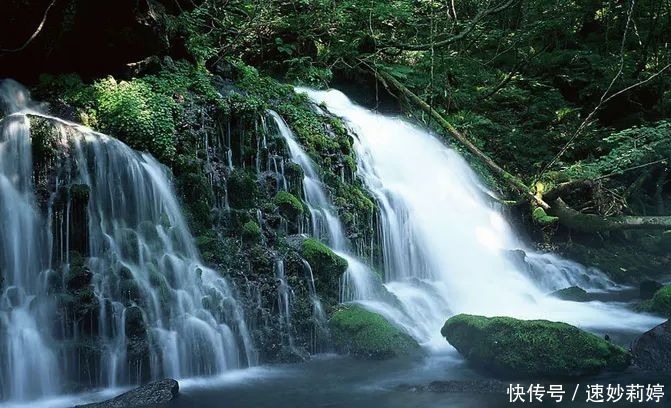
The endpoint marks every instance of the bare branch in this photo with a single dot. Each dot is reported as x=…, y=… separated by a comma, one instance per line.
x=35, y=34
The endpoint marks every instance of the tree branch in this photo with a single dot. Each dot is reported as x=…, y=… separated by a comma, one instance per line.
x=470, y=27
x=35, y=34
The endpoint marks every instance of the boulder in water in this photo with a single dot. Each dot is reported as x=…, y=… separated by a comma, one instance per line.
x=513, y=348
x=574, y=294
x=363, y=333
x=652, y=349
x=158, y=392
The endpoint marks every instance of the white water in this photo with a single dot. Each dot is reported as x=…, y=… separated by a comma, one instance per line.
x=140, y=253
x=446, y=248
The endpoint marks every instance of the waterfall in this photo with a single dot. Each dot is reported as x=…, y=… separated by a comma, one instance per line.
x=446, y=249
x=326, y=225
x=134, y=302
x=284, y=300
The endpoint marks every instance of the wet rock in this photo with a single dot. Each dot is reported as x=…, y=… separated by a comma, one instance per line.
x=158, y=392
x=517, y=257
x=648, y=288
x=574, y=294
x=137, y=346
x=652, y=349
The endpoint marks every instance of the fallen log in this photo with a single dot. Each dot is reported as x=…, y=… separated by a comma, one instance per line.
x=578, y=221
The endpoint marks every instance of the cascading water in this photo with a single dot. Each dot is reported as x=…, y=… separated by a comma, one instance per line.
x=30, y=367
x=445, y=249
x=325, y=224
x=134, y=302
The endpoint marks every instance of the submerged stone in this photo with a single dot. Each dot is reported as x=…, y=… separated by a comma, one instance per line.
x=158, y=392
x=363, y=333
x=513, y=348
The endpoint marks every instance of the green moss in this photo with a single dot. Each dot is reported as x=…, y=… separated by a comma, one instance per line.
x=322, y=259
x=327, y=267
x=289, y=205
x=251, y=232
x=660, y=302
x=540, y=216
x=515, y=348
x=366, y=334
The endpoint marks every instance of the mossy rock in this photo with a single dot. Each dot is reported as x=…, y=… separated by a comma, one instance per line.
x=362, y=333
x=513, y=348
x=660, y=302
x=289, y=205
x=251, y=232
x=573, y=293
x=326, y=265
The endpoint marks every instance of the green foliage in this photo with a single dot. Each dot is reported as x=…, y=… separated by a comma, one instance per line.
x=625, y=150
x=134, y=113
x=143, y=112
x=289, y=206
x=532, y=349
x=362, y=333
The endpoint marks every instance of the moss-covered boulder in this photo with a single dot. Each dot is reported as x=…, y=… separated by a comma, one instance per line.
x=574, y=294
x=289, y=205
x=362, y=333
x=327, y=266
x=513, y=348
x=660, y=302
